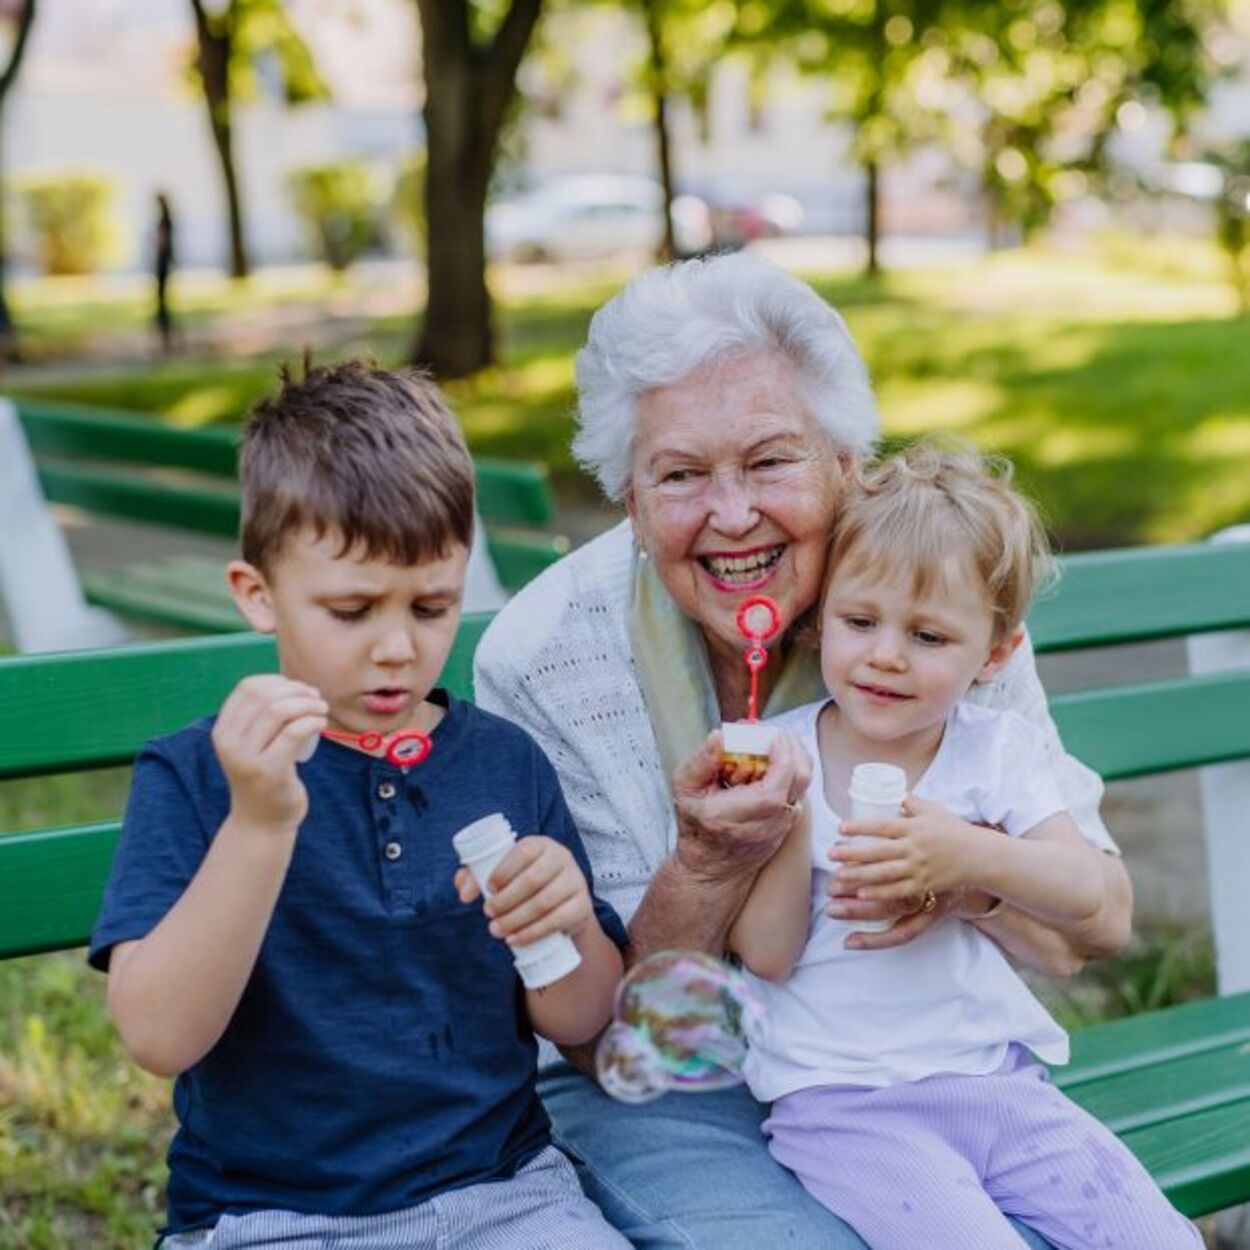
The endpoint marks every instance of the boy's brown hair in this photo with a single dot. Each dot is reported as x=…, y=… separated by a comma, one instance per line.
x=908, y=514
x=371, y=454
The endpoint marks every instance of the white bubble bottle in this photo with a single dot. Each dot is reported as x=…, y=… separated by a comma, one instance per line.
x=876, y=792
x=481, y=846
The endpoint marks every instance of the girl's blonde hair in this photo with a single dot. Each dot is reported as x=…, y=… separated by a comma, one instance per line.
x=908, y=514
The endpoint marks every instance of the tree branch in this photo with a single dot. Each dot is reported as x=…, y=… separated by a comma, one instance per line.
x=25, y=20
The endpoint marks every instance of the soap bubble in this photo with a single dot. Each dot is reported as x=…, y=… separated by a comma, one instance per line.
x=682, y=1021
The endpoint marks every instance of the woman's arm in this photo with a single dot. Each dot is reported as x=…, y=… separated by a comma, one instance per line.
x=771, y=928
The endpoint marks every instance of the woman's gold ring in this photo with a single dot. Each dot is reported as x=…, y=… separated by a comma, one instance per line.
x=929, y=902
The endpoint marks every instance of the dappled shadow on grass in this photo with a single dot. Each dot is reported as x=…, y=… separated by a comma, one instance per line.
x=1127, y=433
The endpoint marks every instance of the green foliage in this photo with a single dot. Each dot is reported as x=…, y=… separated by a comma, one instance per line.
x=408, y=202
x=1026, y=95
x=339, y=205
x=72, y=221
x=261, y=33
x=1159, y=968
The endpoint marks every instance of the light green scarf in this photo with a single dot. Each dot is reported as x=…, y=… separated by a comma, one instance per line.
x=671, y=659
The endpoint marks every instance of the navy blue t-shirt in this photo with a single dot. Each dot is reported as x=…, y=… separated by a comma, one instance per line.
x=381, y=1052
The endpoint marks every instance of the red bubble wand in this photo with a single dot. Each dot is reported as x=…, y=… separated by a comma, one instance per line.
x=403, y=748
x=759, y=621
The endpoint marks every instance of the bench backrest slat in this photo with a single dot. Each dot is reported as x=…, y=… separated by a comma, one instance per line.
x=181, y=505
x=93, y=709
x=1129, y=731
x=508, y=492
x=50, y=886
x=1141, y=593
x=71, y=430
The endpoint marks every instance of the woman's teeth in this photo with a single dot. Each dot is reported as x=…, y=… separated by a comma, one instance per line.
x=746, y=568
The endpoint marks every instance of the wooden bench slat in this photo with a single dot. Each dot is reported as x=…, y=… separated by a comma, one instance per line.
x=1152, y=1037
x=50, y=886
x=519, y=558
x=64, y=429
x=63, y=712
x=206, y=510
x=1169, y=1089
x=132, y=592
x=1201, y=1162
x=1183, y=722
x=1109, y=597
x=513, y=492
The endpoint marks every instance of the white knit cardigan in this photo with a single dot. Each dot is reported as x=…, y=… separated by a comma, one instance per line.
x=557, y=661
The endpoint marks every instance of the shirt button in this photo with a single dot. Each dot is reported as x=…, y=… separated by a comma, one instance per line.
x=393, y=850
x=386, y=790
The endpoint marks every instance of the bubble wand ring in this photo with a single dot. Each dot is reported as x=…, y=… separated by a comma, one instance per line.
x=759, y=622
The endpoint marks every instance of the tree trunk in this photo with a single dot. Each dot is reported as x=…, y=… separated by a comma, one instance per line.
x=657, y=74
x=213, y=64
x=9, y=349
x=468, y=91
x=872, y=218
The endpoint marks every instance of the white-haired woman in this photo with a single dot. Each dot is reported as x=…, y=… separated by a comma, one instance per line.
x=721, y=402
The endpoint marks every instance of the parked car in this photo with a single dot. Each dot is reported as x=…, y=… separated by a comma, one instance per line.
x=739, y=216
x=592, y=215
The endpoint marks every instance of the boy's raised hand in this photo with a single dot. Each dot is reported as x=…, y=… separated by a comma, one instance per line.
x=536, y=889
x=927, y=848
x=260, y=730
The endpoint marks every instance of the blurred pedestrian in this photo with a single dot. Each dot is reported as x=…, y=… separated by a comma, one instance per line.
x=163, y=251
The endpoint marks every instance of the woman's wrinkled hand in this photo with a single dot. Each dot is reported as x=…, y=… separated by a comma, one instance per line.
x=722, y=832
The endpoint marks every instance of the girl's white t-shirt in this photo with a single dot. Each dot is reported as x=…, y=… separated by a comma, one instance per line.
x=946, y=1002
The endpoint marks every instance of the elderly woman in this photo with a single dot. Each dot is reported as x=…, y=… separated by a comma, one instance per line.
x=721, y=402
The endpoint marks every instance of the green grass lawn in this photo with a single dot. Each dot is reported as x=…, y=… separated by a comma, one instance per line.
x=1119, y=382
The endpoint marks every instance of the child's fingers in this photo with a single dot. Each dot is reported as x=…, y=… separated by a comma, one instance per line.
x=525, y=870
x=873, y=829
x=569, y=917
x=292, y=737
x=508, y=922
x=274, y=735
x=864, y=876
x=466, y=885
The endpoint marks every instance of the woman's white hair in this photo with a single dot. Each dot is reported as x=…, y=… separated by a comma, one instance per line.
x=668, y=322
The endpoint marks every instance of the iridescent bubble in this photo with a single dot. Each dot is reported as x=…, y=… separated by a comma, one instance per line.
x=682, y=1021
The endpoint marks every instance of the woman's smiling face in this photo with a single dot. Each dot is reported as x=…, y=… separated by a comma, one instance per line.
x=733, y=492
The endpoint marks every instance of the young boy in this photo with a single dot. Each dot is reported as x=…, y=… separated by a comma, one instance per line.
x=905, y=1093
x=353, y=1051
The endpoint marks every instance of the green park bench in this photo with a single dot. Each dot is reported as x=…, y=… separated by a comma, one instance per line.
x=121, y=465
x=1174, y=1083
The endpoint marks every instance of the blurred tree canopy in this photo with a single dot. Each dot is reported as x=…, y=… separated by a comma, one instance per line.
x=1025, y=94
x=237, y=40
x=19, y=17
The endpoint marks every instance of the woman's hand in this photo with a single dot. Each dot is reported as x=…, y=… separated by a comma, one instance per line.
x=722, y=832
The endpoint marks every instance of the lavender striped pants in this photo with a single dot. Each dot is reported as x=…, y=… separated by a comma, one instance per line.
x=541, y=1208
x=941, y=1162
